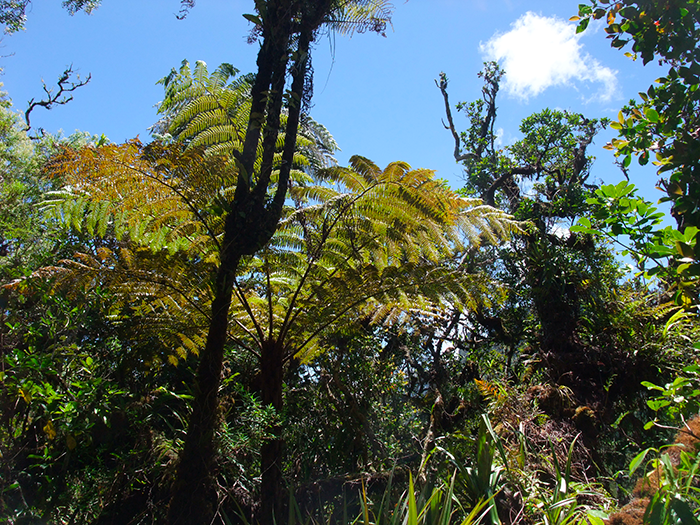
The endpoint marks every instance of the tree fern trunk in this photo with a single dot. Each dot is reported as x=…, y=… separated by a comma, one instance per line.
x=194, y=492
x=249, y=226
x=272, y=352
x=271, y=491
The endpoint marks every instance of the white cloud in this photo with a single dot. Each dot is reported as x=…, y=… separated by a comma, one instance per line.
x=498, y=141
x=540, y=52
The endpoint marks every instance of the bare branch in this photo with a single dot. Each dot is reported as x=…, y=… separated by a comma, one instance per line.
x=443, y=88
x=65, y=85
x=492, y=76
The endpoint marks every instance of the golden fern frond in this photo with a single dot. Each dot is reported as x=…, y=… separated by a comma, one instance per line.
x=369, y=242
x=492, y=392
x=192, y=343
x=159, y=196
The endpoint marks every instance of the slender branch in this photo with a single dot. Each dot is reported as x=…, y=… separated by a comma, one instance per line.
x=492, y=79
x=241, y=343
x=443, y=89
x=65, y=85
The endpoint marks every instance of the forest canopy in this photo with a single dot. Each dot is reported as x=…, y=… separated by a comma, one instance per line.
x=220, y=322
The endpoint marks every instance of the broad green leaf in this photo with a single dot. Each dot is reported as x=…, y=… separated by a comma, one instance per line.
x=254, y=19
x=651, y=114
x=652, y=386
x=684, y=512
x=595, y=520
x=639, y=460
x=583, y=24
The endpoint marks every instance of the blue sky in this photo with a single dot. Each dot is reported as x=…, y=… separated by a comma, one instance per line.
x=376, y=95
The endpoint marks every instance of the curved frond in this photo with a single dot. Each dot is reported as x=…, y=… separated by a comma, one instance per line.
x=359, y=16
x=379, y=243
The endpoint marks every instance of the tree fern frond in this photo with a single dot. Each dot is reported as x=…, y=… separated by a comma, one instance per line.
x=367, y=240
x=200, y=74
x=360, y=16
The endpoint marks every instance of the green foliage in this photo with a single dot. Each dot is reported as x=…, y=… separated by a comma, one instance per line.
x=677, y=398
x=559, y=505
x=663, y=123
x=676, y=497
x=152, y=195
x=359, y=16
x=353, y=399
x=72, y=409
x=483, y=481
x=381, y=290
x=621, y=215
x=431, y=507
x=13, y=12
x=210, y=112
x=26, y=237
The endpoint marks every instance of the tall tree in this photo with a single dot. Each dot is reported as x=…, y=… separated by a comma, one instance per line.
x=542, y=178
x=287, y=29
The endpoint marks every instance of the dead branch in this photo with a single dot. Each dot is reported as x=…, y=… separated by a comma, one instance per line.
x=65, y=85
x=185, y=6
x=443, y=89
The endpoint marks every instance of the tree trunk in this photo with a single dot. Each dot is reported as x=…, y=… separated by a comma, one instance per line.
x=271, y=490
x=194, y=493
x=249, y=226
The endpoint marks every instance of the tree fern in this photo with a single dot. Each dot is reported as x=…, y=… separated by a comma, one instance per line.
x=355, y=238
x=363, y=239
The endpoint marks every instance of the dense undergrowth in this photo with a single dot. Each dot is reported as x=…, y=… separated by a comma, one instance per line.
x=90, y=436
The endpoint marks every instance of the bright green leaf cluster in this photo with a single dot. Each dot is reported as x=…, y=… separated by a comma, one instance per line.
x=636, y=224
